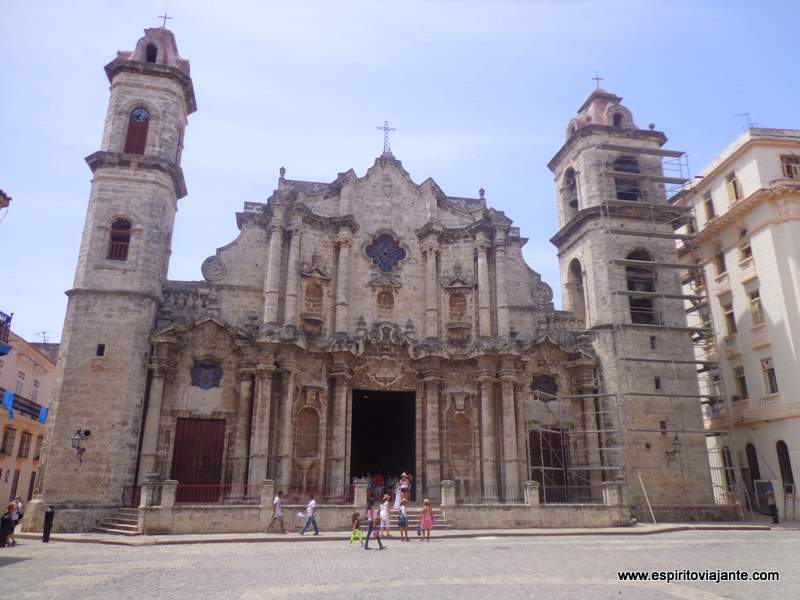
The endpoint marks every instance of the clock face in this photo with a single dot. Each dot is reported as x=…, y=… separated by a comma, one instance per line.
x=140, y=115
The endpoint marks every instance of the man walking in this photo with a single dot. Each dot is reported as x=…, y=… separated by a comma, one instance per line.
x=311, y=511
x=277, y=512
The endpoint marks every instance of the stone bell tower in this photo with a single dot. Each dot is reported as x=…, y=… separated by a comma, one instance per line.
x=621, y=275
x=102, y=373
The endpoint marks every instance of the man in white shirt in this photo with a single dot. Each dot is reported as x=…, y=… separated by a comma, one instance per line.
x=277, y=512
x=311, y=511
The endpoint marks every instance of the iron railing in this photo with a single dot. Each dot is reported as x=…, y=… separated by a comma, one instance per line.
x=323, y=494
x=207, y=493
x=490, y=494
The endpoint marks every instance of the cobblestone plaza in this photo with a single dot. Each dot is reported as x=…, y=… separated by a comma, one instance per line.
x=503, y=567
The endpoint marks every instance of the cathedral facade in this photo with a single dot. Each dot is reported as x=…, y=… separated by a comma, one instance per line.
x=368, y=323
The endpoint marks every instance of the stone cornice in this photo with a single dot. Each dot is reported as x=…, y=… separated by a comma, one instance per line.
x=593, y=129
x=119, y=159
x=118, y=65
x=138, y=293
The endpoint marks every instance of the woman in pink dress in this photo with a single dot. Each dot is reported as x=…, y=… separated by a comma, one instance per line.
x=426, y=522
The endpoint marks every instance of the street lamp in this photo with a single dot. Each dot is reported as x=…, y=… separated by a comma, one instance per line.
x=77, y=440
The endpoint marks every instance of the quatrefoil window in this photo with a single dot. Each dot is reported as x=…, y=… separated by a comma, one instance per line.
x=385, y=252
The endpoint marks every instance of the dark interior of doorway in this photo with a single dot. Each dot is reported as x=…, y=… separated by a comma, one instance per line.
x=383, y=433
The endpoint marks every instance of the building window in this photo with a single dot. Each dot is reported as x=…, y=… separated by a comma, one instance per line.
x=733, y=186
x=617, y=119
x=24, y=445
x=756, y=310
x=35, y=391
x=136, y=138
x=657, y=383
x=708, y=202
x=627, y=188
x=120, y=240
x=752, y=462
x=719, y=260
x=151, y=53
x=20, y=386
x=571, y=192
x=101, y=350
x=741, y=384
x=37, y=450
x=791, y=166
x=653, y=342
x=785, y=464
x=385, y=252
x=385, y=300
x=730, y=319
x=662, y=427
x=8, y=440
x=745, y=251
x=641, y=278
x=770, y=379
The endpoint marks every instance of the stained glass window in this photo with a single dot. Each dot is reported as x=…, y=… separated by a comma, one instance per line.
x=385, y=252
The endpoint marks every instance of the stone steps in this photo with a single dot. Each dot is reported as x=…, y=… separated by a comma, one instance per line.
x=123, y=522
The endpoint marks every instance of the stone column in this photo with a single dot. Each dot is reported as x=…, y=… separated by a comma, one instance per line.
x=272, y=278
x=240, y=449
x=520, y=394
x=267, y=494
x=360, y=494
x=169, y=492
x=510, y=468
x=531, y=492
x=337, y=463
x=342, y=271
x=612, y=493
x=293, y=276
x=431, y=293
x=484, y=301
x=152, y=423
x=448, y=493
x=503, y=317
x=286, y=437
x=488, y=448
x=260, y=423
x=433, y=463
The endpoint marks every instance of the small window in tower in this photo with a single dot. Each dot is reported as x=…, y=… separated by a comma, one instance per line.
x=570, y=191
x=627, y=188
x=662, y=426
x=119, y=240
x=101, y=350
x=641, y=278
x=152, y=53
x=617, y=119
x=657, y=383
x=653, y=342
x=136, y=138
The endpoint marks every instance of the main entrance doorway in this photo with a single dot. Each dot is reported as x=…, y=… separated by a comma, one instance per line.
x=197, y=458
x=383, y=433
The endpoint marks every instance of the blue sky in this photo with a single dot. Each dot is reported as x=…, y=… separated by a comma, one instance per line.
x=480, y=93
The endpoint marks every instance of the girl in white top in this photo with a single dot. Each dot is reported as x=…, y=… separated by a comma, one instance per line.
x=385, y=514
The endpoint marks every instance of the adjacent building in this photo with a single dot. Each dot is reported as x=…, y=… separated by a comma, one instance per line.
x=26, y=385
x=747, y=240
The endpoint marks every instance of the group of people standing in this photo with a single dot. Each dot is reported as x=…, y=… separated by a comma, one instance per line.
x=398, y=487
x=378, y=522
x=11, y=516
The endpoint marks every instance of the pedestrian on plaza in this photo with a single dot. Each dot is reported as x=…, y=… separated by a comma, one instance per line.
x=403, y=521
x=385, y=515
x=379, y=484
x=373, y=524
x=426, y=521
x=772, y=506
x=277, y=513
x=6, y=528
x=398, y=497
x=311, y=512
x=370, y=486
x=405, y=484
x=356, y=535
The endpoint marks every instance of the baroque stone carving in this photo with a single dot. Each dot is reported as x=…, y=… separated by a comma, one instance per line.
x=206, y=375
x=213, y=269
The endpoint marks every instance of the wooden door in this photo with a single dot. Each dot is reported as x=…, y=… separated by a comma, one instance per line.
x=197, y=459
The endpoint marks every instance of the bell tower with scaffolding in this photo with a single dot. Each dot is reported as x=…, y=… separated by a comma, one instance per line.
x=621, y=275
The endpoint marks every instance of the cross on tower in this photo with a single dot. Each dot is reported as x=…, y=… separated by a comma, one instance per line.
x=386, y=129
x=598, y=79
x=165, y=17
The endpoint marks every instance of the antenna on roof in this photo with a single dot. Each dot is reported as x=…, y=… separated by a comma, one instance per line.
x=749, y=122
x=44, y=335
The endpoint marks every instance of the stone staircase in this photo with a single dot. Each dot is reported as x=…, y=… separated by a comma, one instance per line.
x=414, y=516
x=123, y=522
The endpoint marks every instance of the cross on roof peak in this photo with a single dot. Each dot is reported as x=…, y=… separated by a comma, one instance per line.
x=164, y=17
x=598, y=79
x=387, y=149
